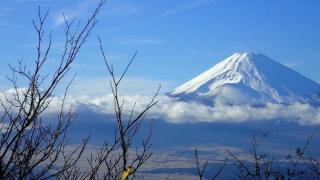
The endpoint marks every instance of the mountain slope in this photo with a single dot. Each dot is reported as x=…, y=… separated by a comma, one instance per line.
x=249, y=78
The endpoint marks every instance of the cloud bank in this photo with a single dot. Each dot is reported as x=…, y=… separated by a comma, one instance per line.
x=174, y=111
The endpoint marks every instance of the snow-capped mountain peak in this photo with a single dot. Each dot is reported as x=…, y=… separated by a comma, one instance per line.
x=249, y=78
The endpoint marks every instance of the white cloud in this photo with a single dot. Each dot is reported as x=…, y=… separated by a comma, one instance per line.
x=174, y=111
x=180, y=112
x=68, y=15
x=79, y=11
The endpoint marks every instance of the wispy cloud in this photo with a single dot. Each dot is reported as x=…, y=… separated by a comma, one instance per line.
x=12, y=8
x=118, y=57
x=1, y=17
x=122, y=27
x=4, y=10
x=16, y=5
x=31, y=2
x=60, y=19
x=293, y=64
x=81, y=10
x=78, y=11
x=124, y=9
x=130, y=86
x=139, y=41
x=185, y=7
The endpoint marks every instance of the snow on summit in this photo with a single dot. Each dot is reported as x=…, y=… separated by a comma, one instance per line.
x=249, y=78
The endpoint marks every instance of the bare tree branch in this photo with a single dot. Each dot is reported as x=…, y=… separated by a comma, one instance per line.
x=31, y=148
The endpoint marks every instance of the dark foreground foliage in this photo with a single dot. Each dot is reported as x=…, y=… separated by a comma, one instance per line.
x=298, y=165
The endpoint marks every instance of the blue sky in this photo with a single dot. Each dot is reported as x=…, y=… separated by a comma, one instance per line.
x=175, y=39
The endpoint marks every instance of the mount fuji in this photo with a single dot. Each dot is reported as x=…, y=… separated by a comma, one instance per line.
x=249, y=78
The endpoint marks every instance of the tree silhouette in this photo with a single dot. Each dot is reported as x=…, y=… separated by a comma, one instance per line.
x=29, y=147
